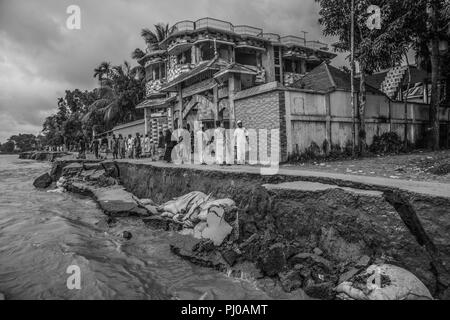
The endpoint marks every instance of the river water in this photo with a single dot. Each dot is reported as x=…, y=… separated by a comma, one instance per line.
x=43, y=233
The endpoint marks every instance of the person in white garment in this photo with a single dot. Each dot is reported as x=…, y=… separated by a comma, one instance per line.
x=240, y=140
x=219, y=138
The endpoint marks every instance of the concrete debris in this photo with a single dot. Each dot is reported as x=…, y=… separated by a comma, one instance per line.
x=383, y=282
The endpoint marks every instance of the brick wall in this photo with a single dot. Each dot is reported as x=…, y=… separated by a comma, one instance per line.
x=264, y=111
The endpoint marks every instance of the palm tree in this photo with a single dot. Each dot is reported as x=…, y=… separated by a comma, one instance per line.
x=102, y=72
x=153, y=38
x=137, y=54
x=117, y=99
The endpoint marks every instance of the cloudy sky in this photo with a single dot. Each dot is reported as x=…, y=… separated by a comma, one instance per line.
x=40, y=58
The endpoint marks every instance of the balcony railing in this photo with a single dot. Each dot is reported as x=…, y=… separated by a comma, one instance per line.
x=213, y=23
x=272, y=37
x=183, y=26
x=317, y=45
x=293, y=40
x=248, y=30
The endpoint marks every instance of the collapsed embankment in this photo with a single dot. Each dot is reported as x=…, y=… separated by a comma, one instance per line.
x=310, y=238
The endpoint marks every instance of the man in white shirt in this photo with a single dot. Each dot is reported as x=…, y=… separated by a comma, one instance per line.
x=219, y=136
x=240, y=140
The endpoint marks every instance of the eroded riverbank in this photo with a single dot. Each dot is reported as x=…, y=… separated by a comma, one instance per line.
x=305, y=237
x=42, y=233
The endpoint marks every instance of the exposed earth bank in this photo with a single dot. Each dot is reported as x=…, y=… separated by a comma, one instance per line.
x=308, y=237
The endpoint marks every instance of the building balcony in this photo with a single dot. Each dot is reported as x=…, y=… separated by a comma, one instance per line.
x=177, y=70
x=153, y=87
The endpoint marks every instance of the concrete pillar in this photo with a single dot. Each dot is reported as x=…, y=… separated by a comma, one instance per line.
x=216, y=104
x=233, y=87
x=145, y=121
x=268, y=64
x=303, y=66
x=328, y=121
x=194, y=55
x=180, y=107
x=281, y=66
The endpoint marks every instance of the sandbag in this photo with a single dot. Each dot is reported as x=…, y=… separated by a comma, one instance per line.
x=384, y=282
x=183, y=204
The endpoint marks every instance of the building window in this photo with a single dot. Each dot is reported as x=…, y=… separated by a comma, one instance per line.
x=207, y=52
x=276, y=53
x=184, y=57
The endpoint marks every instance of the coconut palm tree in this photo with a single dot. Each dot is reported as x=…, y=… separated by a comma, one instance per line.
x=153, y=38
x=116, y=100
x=103, y=71
x=137, y=54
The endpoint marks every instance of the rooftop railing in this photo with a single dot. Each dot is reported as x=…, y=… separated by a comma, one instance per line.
x=248, y=30
x=272, y=37
x=187, y=25
x=317, y=45
x=213, y=23
x=293, y=40
x=183, y=26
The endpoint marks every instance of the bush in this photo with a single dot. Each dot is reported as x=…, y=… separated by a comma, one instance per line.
x=389, y=142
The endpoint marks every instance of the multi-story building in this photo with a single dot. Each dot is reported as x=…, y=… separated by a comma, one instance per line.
x=211, y=70
x=201, y=66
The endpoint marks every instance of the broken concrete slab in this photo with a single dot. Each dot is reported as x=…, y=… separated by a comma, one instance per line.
x=217, y=229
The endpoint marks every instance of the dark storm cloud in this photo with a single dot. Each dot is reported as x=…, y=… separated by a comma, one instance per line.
x=40, y=57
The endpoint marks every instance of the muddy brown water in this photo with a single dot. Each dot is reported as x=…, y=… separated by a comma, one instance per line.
x=43, y=233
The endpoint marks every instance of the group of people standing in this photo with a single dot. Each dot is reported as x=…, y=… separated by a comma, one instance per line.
x=223, y=143
x=132, y=147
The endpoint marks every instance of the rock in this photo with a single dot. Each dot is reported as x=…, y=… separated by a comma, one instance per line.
x=310, y=257
x=152, y=209
x=250, y=240
x=318, y=252
x=363, y=261
x=273, y=261
x=91, y=166
x=198, y=229
x=72, y=169
x=127, y=235
x=230, y=256
x=43, y=181
x=206, y=246
x=110, y=220
x=322, y=291
x=384, y=282
x=348, y=275
x=291, y=280
x=156, y=222
x=147, y=202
